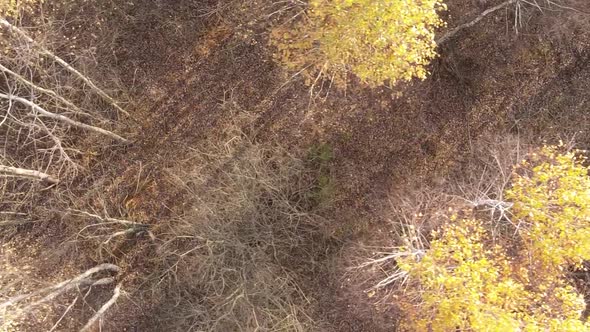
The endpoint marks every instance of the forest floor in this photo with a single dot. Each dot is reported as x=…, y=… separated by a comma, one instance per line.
x=189, y=68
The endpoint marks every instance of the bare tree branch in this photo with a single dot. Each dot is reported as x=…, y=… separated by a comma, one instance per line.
x=21, y=172
x=108, y=219
x=70, y=285
x=63, y=118
x=63, y=315
x=46, y=52
x=481, y=16
x=103, y=309
x=64, y=286
x=43, y=90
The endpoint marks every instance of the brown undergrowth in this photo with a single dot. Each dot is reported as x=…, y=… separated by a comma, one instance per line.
x=227, y=232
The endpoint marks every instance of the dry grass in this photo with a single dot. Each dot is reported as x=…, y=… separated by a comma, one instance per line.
x=242, y=248
x=232, y=260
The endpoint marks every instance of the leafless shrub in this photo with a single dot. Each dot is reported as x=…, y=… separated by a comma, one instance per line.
x=485, y=178
x=411, y=217
x=523, y=9
x=231, y=261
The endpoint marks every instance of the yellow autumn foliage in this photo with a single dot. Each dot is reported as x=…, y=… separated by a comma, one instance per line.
x=555, y=201
x=377, y=40
x=11, y=8
x=467, y=283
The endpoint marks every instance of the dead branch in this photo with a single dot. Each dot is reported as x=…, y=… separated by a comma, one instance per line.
x=108, y=219
x=46, y=52
x=63, y=152
x=63, y=118
x=121, y=233
x=82, y=279
x=77, y=284
x=43, y=90
x=27, y=173
x=133, y=228
x=103, y=309
x=64, y=314
x=481, y=16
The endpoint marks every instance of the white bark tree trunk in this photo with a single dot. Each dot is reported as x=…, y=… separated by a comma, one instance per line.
x=27, y=173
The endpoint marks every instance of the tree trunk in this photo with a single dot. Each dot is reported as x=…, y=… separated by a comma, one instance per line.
x=27, y=173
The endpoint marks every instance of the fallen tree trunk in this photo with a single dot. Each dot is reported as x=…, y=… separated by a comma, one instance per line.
x=21, y=172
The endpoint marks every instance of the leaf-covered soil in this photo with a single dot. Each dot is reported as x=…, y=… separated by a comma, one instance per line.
x=189, y=67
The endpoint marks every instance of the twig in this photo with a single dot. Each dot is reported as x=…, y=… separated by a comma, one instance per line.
x=5, y=223
x=63, y=118
x=63, y=315
x=103, y=309
x=12, y=28
x=108, y=219
x=14, y=213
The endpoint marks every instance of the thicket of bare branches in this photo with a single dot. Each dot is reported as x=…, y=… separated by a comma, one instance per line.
x=231, y=262
x=44, y=105
x=51, y=113
x=413, y=215
x=47, y=108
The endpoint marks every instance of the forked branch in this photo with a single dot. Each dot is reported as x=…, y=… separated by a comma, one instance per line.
x=43, y=90
x=83, y=279
x=102, y=310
